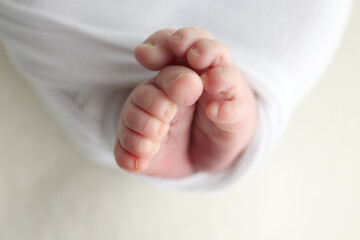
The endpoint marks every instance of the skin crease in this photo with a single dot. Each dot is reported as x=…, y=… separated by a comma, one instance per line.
x=197, y=114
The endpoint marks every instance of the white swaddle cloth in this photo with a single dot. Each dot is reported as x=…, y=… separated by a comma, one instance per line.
x=78, y=55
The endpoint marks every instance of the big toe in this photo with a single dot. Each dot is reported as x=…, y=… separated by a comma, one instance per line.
x=182, y=85
x=154, y=53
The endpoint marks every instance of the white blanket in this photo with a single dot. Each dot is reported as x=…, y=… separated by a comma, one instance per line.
x=78, y=55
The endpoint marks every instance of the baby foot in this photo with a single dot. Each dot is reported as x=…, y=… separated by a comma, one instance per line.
x=213, y=137
x=226, y=114
x=155, y=123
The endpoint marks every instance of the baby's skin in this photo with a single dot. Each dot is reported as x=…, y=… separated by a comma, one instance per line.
x=197, y=114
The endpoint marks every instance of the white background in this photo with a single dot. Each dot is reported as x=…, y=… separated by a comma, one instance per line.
x=309, y=188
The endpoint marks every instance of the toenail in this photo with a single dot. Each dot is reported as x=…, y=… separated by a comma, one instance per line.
x=195, y=51
x=136, y=165
x=147, y=44
x=179, y=76
x=164, y=127
x=176, y=37
x=214, y=110
x=140, y=165
x=204, y=78
x=156, y=147
x=170, y=111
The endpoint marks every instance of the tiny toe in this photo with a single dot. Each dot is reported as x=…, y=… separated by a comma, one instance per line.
x=207, y=53
x=137, y=144
x=154, y=101
x=223, y=99
x=181, y=41
x=144, y=123
x=223, y=79
x=128, y=161
x=155, y=52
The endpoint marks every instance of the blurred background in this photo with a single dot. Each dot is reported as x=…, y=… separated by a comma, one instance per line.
x=309, y=188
